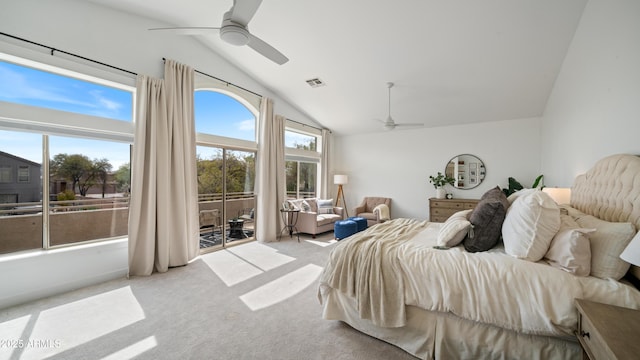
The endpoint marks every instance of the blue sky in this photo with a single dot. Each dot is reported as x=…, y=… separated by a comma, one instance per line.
x=215, y=113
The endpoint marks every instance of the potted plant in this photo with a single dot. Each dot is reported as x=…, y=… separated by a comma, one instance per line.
x=439, y=181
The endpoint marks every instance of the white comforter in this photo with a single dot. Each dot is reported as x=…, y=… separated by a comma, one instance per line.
x=394, y=264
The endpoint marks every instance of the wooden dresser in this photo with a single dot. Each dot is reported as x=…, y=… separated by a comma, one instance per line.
x=441, y=209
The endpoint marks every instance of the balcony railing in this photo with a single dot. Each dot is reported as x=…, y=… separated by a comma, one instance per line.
x=79, y=220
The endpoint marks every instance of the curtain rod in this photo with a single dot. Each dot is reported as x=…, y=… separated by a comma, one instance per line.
x=224, y=81
x=68, y=53
x=303, y=124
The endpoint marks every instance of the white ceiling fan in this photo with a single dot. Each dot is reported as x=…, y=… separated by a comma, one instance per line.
x=234, y=30
x=389, y=124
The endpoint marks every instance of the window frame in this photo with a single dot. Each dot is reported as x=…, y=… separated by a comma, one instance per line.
x=8, y=171
x=47, y=121
x=28, y=173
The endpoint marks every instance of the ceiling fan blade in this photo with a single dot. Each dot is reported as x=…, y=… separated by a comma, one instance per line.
x=188, y=30
x=243, y=10
x=266, y=50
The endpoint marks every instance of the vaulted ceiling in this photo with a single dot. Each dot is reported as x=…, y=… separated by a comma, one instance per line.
x=452, y=61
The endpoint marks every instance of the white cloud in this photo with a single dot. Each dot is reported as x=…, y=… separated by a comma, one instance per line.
x=247, y=125
x=105, y=102
x=15, y=86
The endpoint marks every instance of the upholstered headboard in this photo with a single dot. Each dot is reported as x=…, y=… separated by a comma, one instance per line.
x=610, y=190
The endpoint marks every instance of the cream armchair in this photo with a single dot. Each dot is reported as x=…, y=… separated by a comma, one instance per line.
x=367, y=207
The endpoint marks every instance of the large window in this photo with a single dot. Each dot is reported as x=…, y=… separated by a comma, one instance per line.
x=302, y=179
x=81, y=126
x=28, y=86
x=226, y=169
x=20, y=202
x=302, y=158
x=220, y=114
x=87, y=200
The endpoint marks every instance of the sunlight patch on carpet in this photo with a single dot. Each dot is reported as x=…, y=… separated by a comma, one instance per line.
x=229, y=268
x=282, y=288
x=242, y=262
x=92, y=318
x=262, y=256
x=135, y=350
x=11, y=334
x=322, y=243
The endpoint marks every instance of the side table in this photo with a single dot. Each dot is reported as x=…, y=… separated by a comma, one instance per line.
x=607, y=331
x=290, y=219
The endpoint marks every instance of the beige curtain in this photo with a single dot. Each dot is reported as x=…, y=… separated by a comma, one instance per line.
x=163, y=228
x=326, y=181
x=181, y=211
x=270, y=169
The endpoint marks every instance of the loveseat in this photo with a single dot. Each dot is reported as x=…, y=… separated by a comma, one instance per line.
x=314, y=220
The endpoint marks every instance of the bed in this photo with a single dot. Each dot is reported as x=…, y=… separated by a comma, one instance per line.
x=392, y=282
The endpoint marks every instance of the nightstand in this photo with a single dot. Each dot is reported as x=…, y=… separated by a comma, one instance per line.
x=607, y=332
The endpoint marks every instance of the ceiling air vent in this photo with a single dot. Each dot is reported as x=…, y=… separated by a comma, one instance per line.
x=315, y=82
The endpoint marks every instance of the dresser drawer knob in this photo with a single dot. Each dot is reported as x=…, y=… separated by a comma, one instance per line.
x=584, y=334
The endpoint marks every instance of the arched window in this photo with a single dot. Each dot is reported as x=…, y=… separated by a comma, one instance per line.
x=226, y=152
x=220, y=114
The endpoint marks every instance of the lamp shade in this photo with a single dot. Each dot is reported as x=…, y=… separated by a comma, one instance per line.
x=631, y=253
x=559, y=195
x=340, y=179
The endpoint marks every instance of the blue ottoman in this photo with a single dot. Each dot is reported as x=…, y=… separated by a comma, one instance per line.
x=344, y=228
x=362, y=222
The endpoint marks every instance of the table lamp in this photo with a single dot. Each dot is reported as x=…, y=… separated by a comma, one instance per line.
x=559, y=195
x=631, y=253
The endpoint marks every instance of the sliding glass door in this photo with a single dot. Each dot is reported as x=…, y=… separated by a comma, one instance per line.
x=226, y=182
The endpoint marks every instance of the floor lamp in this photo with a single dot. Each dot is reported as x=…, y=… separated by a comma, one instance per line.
x=341, y=180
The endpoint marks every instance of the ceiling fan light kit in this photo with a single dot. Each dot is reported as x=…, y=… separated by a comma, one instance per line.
x=390, y=124
x=234, y=35
x=234, y=30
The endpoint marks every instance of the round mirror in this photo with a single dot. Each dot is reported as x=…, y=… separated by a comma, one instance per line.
x=468, y=170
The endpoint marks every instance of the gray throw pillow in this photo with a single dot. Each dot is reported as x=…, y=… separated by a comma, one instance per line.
x=496, y=194
x=486, y=225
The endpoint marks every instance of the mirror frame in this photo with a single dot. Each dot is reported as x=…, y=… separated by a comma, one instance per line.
x=470, y=176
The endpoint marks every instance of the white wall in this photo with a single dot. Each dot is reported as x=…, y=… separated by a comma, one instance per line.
x=594, y=108
x=397, y=163
x=121, y=40
x=37, y=274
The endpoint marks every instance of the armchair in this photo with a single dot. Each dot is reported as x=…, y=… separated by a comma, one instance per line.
x=367, y=209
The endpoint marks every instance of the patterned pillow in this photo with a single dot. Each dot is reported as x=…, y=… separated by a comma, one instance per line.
x=325, y=206
x=305, y=206
x=454, y=229
x=607, y=243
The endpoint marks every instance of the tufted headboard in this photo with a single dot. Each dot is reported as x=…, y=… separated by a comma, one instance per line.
x=610, y=190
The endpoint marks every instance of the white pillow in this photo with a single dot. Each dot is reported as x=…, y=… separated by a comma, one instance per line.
x=296, y=204
x=511, y=198
x=454, y=229
x=607, y=243
x=325, y=206
x=570, y=249
x=532, y=221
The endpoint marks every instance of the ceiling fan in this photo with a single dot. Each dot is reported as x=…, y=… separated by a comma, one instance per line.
x=389, y=124
x=234, y=30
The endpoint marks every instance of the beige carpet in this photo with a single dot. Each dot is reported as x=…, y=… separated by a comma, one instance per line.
x=252, y=301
